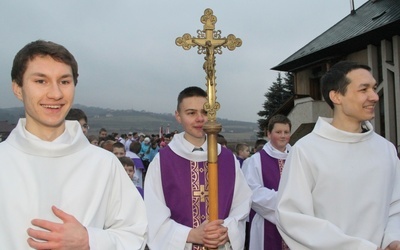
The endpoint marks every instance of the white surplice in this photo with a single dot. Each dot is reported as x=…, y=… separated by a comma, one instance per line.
x=264, y=200
x=79, y=178
x=340, y=190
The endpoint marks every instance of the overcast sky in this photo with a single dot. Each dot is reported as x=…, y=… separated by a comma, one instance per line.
x=127, y=54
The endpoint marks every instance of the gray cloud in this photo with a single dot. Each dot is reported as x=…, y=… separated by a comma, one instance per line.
x=127, y=54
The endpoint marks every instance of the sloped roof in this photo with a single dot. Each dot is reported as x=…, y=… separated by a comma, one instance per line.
x=370, y=23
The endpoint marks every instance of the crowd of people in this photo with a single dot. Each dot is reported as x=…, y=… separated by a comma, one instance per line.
x=144, y=147
x=336, y=188
x=139, y=147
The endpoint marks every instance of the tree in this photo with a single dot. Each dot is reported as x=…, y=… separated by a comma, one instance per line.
x=278, y=93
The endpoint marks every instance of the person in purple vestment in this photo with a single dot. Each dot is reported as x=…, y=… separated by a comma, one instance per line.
x=263, y=172
x=134, y=149
x=176, y=187
x=129, y=167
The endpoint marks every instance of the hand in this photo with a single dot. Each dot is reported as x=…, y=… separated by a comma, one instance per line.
x=215, y=234
x=196, y=235
x=210, y=234
x=395, y=245
x=70, y=234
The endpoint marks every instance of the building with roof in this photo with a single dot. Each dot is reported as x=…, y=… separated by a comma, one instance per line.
x=369, y=35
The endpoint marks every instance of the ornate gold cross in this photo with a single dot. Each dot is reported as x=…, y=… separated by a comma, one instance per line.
x=210, y=42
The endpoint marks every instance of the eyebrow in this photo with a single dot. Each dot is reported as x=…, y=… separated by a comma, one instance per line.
x=44, y=75
x=190, y=109
x=365, y=85
x=38, y=74
x=66, y=76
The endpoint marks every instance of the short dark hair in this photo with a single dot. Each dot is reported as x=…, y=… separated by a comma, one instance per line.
x=118, y=145
x=240, y=146
x=335, y=79
x=259, y=144
x=278, y=119
x=221, y=140
x=76, y=115
x=135, y=147
x=190, y=92
x=41, y=48
x=126, y=161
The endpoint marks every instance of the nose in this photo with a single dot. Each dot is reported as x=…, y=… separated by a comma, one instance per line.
x=55, y=91
x=374, y=96
x=201, y=117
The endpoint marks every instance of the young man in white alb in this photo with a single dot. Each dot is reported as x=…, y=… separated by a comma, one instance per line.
x=58, y=191
x=340, y=187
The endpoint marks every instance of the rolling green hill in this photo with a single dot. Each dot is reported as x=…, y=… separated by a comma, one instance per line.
x=124, y=121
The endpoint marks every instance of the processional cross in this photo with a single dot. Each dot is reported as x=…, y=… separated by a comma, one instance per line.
x=210, y=42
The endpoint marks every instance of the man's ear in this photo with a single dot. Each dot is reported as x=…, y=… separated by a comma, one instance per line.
x=177, y=116
x=268, y=134
x=17, y=90
x=335, y=97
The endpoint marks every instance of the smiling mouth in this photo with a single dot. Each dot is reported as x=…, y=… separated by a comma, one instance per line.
x=370, y=107
x=52, y=106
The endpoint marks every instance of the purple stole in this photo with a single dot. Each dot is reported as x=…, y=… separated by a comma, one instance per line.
x=271, y=173
x=185, y=185
x=138, y=163
x=241, y=160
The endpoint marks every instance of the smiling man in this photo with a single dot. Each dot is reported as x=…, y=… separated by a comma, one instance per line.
x=57, y=190
x=340, y=187
x=176, y=187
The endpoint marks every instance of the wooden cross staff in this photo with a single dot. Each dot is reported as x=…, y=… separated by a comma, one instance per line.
x=209, y=42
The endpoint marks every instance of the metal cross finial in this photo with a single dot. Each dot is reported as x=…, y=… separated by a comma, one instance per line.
x=209, y=42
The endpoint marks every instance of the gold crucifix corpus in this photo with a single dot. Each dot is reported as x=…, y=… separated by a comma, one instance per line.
x=209, y=42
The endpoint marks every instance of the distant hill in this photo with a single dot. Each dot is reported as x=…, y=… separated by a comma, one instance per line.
x=124, y=121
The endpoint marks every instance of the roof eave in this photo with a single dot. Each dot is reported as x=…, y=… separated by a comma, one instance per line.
x=337, y=50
